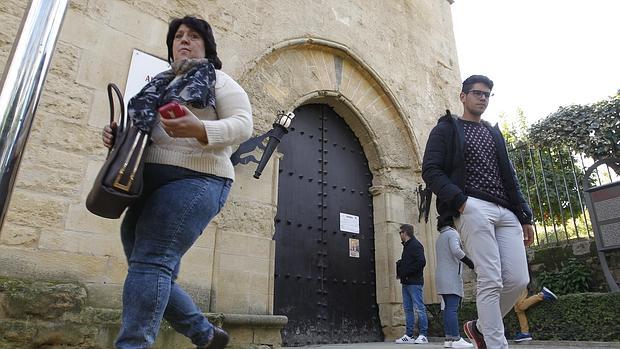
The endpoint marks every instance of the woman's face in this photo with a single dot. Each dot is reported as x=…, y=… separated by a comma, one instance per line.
x=187, y=43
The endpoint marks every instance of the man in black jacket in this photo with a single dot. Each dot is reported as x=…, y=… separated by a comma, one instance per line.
x=410, y=271
x=467, y=166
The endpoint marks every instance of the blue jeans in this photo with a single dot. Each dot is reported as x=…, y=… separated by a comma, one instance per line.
x=450, y=316
x=175, y=207
x=413, y=300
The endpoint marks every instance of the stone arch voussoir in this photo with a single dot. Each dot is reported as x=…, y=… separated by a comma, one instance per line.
x=301, y=71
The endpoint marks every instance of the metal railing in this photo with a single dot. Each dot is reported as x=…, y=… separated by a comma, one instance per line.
x=22, y=84
x=551, y=180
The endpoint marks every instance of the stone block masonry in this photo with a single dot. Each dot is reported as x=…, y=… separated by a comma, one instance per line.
x=387, y=68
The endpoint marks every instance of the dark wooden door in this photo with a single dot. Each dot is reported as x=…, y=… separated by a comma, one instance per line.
x=324, y=276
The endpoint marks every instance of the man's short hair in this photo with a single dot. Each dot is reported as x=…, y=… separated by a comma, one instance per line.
x=474, y=79
x=407, y=229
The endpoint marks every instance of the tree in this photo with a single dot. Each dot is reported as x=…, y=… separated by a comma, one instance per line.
x=593, y=130
x=550, y=178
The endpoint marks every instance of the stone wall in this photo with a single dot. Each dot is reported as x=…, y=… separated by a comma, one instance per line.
x=553, y=258
x=389, y=70
x=37, y=314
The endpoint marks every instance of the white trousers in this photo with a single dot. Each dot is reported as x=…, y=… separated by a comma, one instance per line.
x=493, y=240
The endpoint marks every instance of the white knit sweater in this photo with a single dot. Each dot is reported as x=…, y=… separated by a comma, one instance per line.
x=227, y=126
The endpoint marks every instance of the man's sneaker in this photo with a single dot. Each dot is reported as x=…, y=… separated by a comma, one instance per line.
x=421, y=340
x=447, y=344
x=461, y=343
x=523, y=336
x=405, y=340
x=474, y=335
x=548, y=295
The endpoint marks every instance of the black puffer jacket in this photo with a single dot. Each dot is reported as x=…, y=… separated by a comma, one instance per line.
x=443, y=170
x=410, y=267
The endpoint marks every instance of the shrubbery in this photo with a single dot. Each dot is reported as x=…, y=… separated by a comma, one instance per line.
x=573, y=277
x=574, y=317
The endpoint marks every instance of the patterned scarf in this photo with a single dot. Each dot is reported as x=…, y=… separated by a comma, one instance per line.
x=189, y=81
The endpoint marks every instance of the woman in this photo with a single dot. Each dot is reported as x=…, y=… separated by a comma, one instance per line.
x=449, y=283
x=187, y=178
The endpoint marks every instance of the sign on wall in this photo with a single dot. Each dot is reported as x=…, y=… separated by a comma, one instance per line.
x=350, y=223
x=142, y=69
x=603, y=204
x=605, y=211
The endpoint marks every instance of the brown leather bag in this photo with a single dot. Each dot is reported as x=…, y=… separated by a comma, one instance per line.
x=119, y=181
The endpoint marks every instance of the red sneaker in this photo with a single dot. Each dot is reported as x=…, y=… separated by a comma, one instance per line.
x=474, y=335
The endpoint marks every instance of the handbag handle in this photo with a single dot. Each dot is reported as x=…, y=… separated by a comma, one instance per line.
x=112, y=88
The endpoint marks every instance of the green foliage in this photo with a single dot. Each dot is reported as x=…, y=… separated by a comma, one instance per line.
x=574, y=317
x=514, y=129
x=573, y=277
x=575, y=229
x=593, y=130
x=595, y=315
x=550, y=180
x=550, y=175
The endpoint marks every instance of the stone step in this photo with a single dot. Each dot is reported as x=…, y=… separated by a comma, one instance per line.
x=46, y=315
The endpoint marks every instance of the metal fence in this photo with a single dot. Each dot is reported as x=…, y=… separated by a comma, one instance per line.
x=551, y=180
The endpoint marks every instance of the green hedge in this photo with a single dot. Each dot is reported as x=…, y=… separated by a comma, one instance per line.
x=573, y=317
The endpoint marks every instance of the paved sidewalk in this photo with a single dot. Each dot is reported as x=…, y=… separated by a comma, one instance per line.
x=525, y=345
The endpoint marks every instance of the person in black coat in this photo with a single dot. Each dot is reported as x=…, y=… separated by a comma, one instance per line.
x=410, y=271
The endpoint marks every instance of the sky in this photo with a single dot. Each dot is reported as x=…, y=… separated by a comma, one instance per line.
x=540, y=54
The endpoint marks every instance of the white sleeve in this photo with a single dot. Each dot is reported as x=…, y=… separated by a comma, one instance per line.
x=234, y=124
x=455, y=245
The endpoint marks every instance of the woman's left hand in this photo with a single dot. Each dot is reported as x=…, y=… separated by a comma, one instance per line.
x=187, y=126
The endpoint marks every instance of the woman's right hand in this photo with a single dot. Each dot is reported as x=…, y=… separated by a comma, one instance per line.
x=109, y=131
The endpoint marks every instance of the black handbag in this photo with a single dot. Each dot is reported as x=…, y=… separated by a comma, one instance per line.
x=120, y=179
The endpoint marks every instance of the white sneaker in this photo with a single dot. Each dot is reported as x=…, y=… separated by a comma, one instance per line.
x=461, y=343
x=447, y=344
x=421, y=340
x=404, y=340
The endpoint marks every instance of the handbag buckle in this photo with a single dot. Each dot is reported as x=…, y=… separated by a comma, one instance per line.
x=132, y=176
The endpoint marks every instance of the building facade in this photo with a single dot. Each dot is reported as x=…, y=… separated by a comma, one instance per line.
x=367, y=78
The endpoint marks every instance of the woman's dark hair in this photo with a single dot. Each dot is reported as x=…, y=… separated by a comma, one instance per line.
x=470, y=81
x=201, y=27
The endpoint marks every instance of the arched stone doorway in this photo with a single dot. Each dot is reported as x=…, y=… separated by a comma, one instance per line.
x=308, y=70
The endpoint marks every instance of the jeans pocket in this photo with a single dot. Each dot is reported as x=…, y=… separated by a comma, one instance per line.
x=224, y=194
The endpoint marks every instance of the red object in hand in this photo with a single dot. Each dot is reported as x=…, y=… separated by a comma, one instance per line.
x=171, y=110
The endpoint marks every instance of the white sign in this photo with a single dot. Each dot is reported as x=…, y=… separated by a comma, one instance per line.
x=350, y=223
x=142, y=69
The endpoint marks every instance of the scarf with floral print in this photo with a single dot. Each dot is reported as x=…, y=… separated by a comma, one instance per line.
x=189, y=82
